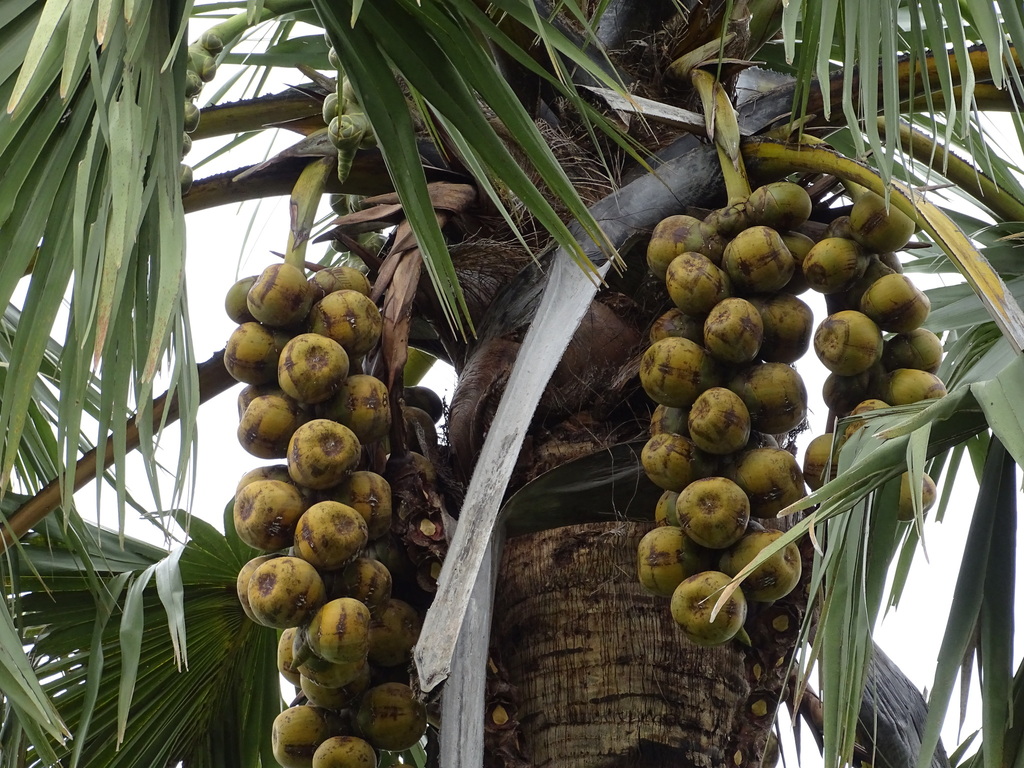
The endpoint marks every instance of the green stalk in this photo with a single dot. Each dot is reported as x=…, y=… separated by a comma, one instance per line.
x=303, y=205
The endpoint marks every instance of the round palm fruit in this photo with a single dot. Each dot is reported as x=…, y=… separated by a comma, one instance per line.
x=834, y=264
x=349, y=318
x=909, y=385
x=719, y=422
x=799, y=245
x=788, y=324
x=729, y=221
x=284, y=592
x=665, y=509
x=340, y=631
x=771, y=478
x=242, y=582
x=669, y=420
x=895, y=304
x=321, y=453
x=865, y=406
x=672, y=461
x=774, y=394
x=666, y=556
x=391, y=717
x=693, y=601
x=677, y=234
x=876, y=228
x=758, y=261
x=919, y=349
x=280, y=297
x=338, y=278
x=330, y=674
x=426, y=400
x=286, y=657
x=265, y=514
x=366, y=580
x=733, y=331
x=345, y=752
x=695, y=284
x=341, y=697
x=192, y=115
x=819, y=460
x=297, y=733
x=235, y=301
x=842, y=393
x=876, y=270
x=773, y=579
x=839, y=227
x=674, y=371
x=252, y=391
x=330, y=535
x=267, y=425
x=848, y=342
x=393, y=633
x=424, y=468
x=311, y=368
x=677, y=323
x=929, y=493
x=779, y=205
x=420, y=433
x=361, y=404
x=269, y=472
x=369, y=494
x=713, y=511
x=251, y=353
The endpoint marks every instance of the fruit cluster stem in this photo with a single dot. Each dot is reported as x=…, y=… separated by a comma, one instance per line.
x=303, y=205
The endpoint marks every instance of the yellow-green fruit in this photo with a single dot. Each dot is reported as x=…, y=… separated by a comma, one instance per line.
x=665, y=509
x=848, y=342
x=286, y=657
x=876, y=228
x=733, y=331
x=669, y=420
x=771, y=478
x=719, y=422
x=779, y=205
x=265, y=513
x=693, y=601
x=341, y=697
x=321, y=453
x=864, y=406
x=666, y=556
x=338, y=279
x=713, y=511
x=674, y=371
x=919, y=349
x=330, y=535
x=312, y=368
x=284, y=592
x=393, y=633
x=420, y=432
x=339, y=631
x=819, y=459
x=799, y=245
x=280, y=297
x=361, y=404
x=758, y=261
x=348, y=317
x=251, y=353
x=909, y=385
x=842, y=393
x=929, y=493
x=895, y=304
x=876, y=269
x=834, y=264
x=252, y=391
x=425, y=399
x=242, y=582
x=672, y=461
x=391, y=717
x=369, y=494
x=678, y=234
x=773, y=579
x=366, y=580
x=839, y=227
x=788, y=324
x=297, y=733
x=774, y=394
x=330, y=674
x=267, y=425
x=269, y=472
x=345, y=752
x=695, y=284
x=235, y=301
x=729, y=221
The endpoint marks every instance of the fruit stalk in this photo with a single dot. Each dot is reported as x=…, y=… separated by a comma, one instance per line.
x=303, y=205
x=723, y=127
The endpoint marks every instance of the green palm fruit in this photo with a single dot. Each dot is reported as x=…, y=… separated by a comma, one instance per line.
x=242, y=582
x=774, y=394
x=677, y=323
x=321, y=453
x=269, y=472
x=669, y=420
x=312, y=368
x=929, y=493
x=202, y=63
x=834, y=264
x=286, y=657
x=895, y=304
x=280, y=297
x=186, y=147
x=839, y=227
x=875, y=270
x=729, y=221
x=819, y=460
x=341, y=697
x=330, y=535
x=265, y=514
x=361, y=404
x=366, y=580
x=909, y=385
x=666, y=556
x=185, y=178
x=267, y=425
x=876, y=228
x=865, y=406
x=350, y=318
x=779, y=205
x=297, y=733
x=235, y=301
x=693, y=601
x=848, y=342
x=788, y=324
x=251, y=353
x=919, y=349
x=329, y=111
x=370, y=495
x=251, y=391
x=193, y=84
x=773, y=579
x=758, y=261
x=713, y=511
x=672, y=461
x=393, y=633
x=339, y=631
x=330, y=674
x=799, y=245
x=674, y=371
x=192, y=114
x=677, y=234
x=340, y=278
x=733, y=331
x=345, y=752
x=391, y=717
x=665, y=509
x=771, y=478
x=719, y=422
x=425, y=399
x=420, y=433
x=842, y=393
x=695, y=284
x=211, y=42
x=284, y=592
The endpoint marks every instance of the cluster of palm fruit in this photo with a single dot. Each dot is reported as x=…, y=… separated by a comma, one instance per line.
x=202, y=68
x=321, y=518
x=720, y=369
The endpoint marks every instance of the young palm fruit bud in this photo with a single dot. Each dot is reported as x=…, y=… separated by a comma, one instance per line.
x=713, y=511
x=677, y=323
x=361, y=404
x=341, y=697
x=280, y=297
x=757, y=261
x=774, y=394
x=677, y=234
x=848, y=342
x=693, y=601
x=297, y=733
x=192, y=114
x=839, y=227
x=251, y=353
x=665, y=509
x=865, y=406
x=773, y=579
x=929, y=493
x=185, y=178
x=321, y=453
x=674, y=371
x=729, y=221
x=369, y=494
x=733, y=331
x=284, y=592
x=193, y=84
x=340, y=278
x=820, y=465
x=671, y=421
x=779, y=205
x=719, y=422
x=329, y=111
x=242, y=582
x=895, y=304
x=267, y=424
x=349, y=318
x=909, y=385
x=211, y=42
x=339, y=631
x=425, y=399
x=666, y=556
x=265, y=514
x=391, y=717
x=771, y=479
x=330, y=535
x=788, y=324
x=877, y=229
x=186, y=147
x=834, y=264
x=367, y=581
x=345, y=752
x=235, y=301
x=920, y=349
x=695, y=284
x=799, y=245
x=393, y=633
x=875, y=271
x=312, y=368
x=269, y=472
x=286, y=657
x=202, y=63
x=672, y=461
x=842, y=393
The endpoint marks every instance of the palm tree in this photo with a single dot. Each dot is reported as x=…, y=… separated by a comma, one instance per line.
x=517, y=155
